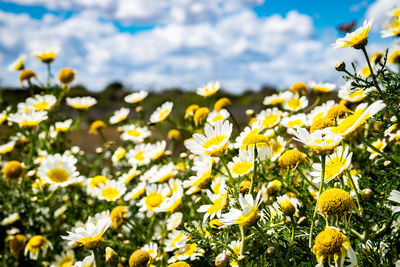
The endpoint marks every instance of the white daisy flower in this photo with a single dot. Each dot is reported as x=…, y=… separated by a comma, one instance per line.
x=136, y=97
x=59, y=171
x=269, y=118
x=247, y=215
x=219, y=202
x=136, y=192
x=190, y=251
x=322, y=87
x=214, y=142
x=66, y=259
x=163, y=173
x=162, y=112
x=133, y=133
x=277, y=99
x=10, y=219
x=40, y=102
x=155, y=196
x=350, y=95
x=118, y=155
x=140, y=155
x=243, y=163
x=17, y=64
x=319, y=140
x=176, y=239
x=379, y=144
x=119, y=115
x=278, y=146
x=111, y=191
x=31, y=119
x=294, y=121
x=88, y=261
x=174, y=221
x=357, y=38
x=295, y=103
x=209, y=89
x=202, y=167
x=152, y=249
x=172, y=203
x=320, y=112
x=89, y=235
x=216, y=116
x=7, y=147
x=81, y=103
x=157, y=150
x=63, y=126
x=395, y=197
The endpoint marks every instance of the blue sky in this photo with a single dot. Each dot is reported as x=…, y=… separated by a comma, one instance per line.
x=153, y=44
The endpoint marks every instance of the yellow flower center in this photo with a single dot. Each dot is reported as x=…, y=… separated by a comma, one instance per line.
x=139, y=156
x=249, y=218
x=334, y=202
x=294, y=103
x=95, y=181
x=217, y=118
x=37, y=241
x=242, y=167
x=356, y=94
x=68, y=261
x=276, y=148
x=328, y=243
x=41, y=105
x=110, y=193
x=218, y=204
x=58, y=175
x=134, y=133
x=91, y=242
x=176, y=239
x=295, y=123
x=164, y=114
x=335, y=167
x=270, y=120
x=29, y=124
x=190, y=249
x=81, y=106
x=202, y=180
x=215, y=141
x=154, y=200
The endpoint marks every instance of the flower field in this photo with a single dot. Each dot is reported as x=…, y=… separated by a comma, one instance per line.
x=303, y=182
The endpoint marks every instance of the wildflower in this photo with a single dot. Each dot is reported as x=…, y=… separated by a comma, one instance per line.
x=7, y=147
x=35, y=244
x=298, y=88
x=155, y=196
x=294, y=121
x=136, y=97
x=97, y=126
x=242, y=164
x=174, y=221
x=88, y=261
x=332, y=243
x=16, y=244
x=334, y=202
x=190, y=110
x=200, y=115
x=13, y=170
x=63, y=126
x=111, y=190
x=12, y=218
x=295, y=103
x=81, y=103
x=247, y=136
x=190, y=251
x=176, y=239
x=152, y=249
x=286, y=206
x=379, y=144
x=209, y=89
x=28, y=120
x=59, y=170
x=134, y=133
x=336, y=164
x=26, y=75
x=66, y=259
x=3, y=116
x=139, y=258
x=376, y=58
x=219, y=202
x=216, y=116
x=394, y=57
x=235, y=246
x=172, y=203
x=269, y=117
x=161, y=113
x=357, y=39
x=215, y=141
x=320, y=111
x=277, y=99
x=139, y=155
x=47, y=56
x=353, y=122
x=119, y=115
x=337, y=112
x=221, y=103
x=174, y=134
x=136, y=192
x=320, y=141
x=291, y=158
x=91, y=234
x=40, y=102
x=395, y=197
x=111, y=256
x=202, y=167
x=248, y=214
x=348, y=94
x=157, y=150
x=66, y=76
x=391, y=27
x=322, y=87
x=117, y=215
x=17, y=64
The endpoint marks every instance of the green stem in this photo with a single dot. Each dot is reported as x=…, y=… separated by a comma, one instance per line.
x=293, y=228
x=96, y=257
x=78, y=120
x=254, y=174
x=48, y=75
x=321, y=187
x=306, y=179
x=360, y=209
x=231, y=180
x=243, y=238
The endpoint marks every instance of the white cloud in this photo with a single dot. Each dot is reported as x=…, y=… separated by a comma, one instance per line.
x=379, y=11
x=241, y=50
